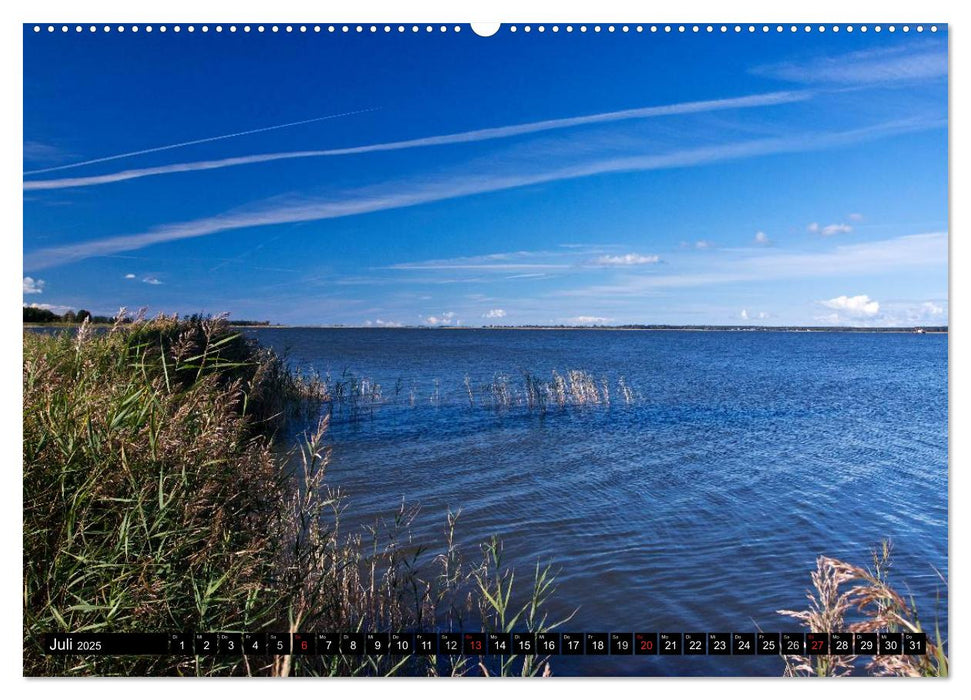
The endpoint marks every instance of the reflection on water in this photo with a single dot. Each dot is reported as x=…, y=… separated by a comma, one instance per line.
x=700, y=505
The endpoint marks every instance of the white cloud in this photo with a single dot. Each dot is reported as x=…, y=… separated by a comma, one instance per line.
x=445, y=186
x=629, y=259
x=445, y=319
x=761, y=238
x=744, y=314
x=130, y=276
x=32, y=286
x=763, y=315
x=931, y=309
x=855, y=217
x=494, y=313
x=380, y=323
x=56, y=308
x=701, y=245
x=859, y=306
x=761, y=100
x=151, y=280
x=813, y=227
x=834, y=229
x=588, y=320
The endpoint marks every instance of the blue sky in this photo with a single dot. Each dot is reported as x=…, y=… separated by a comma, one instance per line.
x=445, y=178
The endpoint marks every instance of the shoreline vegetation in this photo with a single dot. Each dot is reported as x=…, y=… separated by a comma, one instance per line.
x=157, y=498
x=154, y=500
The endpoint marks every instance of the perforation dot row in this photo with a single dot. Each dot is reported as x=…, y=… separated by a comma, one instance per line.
x=414, y=28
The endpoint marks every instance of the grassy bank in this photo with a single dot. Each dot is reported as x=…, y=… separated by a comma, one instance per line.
x=154, y=501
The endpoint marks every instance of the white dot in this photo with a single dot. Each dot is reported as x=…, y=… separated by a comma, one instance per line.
x=709, y=28
x=891, y=28
x=512, y=28
x=920, y=27
x=934, y=28
x=835, y=28
x=625, y=28
x=724, y=29
x=527, y=29
x=681, y=28
x=121, y=29
x=555, y=28
x=458, y=28
x=77, y=28
x=863, y=29
x=387, y=29
x=569, y=29
x=849, y=28
x=695, y=28
x=640, y=29
x=906, y=28
x=64, y=28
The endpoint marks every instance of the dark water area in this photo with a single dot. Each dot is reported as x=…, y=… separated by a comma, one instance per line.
x=700, y=505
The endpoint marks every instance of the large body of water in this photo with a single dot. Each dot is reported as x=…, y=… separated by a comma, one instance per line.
x=701, y=505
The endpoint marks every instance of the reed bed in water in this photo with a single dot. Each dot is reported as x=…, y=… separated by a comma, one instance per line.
x=502, y=391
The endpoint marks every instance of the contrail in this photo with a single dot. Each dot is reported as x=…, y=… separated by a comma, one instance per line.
x=399, y=195
x=759, y=100
x=197, y=141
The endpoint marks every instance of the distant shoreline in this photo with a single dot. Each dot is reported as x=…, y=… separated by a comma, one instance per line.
x=913, y=330
x=700, y=329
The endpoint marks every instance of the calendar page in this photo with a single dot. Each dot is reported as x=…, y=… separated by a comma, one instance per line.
x=449, y=349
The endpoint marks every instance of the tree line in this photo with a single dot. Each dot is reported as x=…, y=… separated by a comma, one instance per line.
x=33, y=314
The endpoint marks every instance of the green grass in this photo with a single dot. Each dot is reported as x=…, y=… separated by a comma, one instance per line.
x=155, y=500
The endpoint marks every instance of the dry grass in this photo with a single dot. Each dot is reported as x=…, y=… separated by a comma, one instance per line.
x=842, y=590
